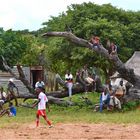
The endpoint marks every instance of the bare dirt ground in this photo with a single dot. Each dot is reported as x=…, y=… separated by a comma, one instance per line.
x=70, y=131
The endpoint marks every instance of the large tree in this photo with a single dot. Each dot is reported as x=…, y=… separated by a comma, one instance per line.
x=125, y=72
x=85, y=20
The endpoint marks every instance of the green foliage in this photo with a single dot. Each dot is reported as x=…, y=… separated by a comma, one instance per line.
x=33, y=50
x=20, y=47
x=85, y=20
x=12, y=46
x=131, y=105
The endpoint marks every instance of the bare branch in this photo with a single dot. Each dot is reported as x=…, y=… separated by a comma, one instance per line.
x=8, y=68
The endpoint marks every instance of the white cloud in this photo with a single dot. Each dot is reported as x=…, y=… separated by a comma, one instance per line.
x=30, y=14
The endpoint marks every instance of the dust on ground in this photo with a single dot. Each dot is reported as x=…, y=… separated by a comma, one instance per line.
x=70, y=131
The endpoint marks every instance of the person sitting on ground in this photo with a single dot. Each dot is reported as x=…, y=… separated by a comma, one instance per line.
x=2, y=97
x=114, y=101
x=10, y=111
x=104, y=99
x=69, y=82
x=13, y=111
x=10, y=90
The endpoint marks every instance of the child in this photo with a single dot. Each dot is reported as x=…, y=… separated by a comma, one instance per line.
x=11, y=111
x=42, y=100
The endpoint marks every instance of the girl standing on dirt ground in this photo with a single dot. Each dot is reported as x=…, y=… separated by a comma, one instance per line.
x=42, y=100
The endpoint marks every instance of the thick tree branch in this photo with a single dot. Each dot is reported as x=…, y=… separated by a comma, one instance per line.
x=24, y=80
x=124, y=71
x=7, y=68
x=20, y=77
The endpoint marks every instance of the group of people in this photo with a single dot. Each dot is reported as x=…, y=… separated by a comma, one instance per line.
x=110, y=97
x=111, y=47
x=7, y=96
x=85, y=77
x=42, y=101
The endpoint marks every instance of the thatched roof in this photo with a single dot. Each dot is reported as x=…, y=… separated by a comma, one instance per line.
x=134, y=62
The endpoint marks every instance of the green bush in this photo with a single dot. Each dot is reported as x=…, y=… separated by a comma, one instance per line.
x=130, y=105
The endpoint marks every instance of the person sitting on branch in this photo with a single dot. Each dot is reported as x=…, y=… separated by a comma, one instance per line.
x=95, y=40
x=87, y=77
x=112, y=49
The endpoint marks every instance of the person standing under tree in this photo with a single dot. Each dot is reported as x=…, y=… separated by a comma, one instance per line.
x=10, y=111
x=42, y=100
x=69, y=82
x=10, y=90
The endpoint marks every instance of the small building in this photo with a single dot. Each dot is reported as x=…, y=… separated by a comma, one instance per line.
x=31, y=73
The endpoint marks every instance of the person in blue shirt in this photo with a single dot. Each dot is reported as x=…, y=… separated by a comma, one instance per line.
x=12, y=109
x=104, y=99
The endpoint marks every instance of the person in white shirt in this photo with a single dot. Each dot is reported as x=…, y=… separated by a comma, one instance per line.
x=105, y=97
x=42, y=100
x=69, y=83
x=39, y=83
x=3, y=97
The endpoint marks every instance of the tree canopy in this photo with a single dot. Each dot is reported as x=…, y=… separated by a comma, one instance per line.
x=84, y=20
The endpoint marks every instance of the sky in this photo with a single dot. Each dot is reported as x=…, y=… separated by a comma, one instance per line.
x=30, y=14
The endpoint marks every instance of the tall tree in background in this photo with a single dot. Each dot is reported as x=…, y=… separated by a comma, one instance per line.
x=85, y=20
